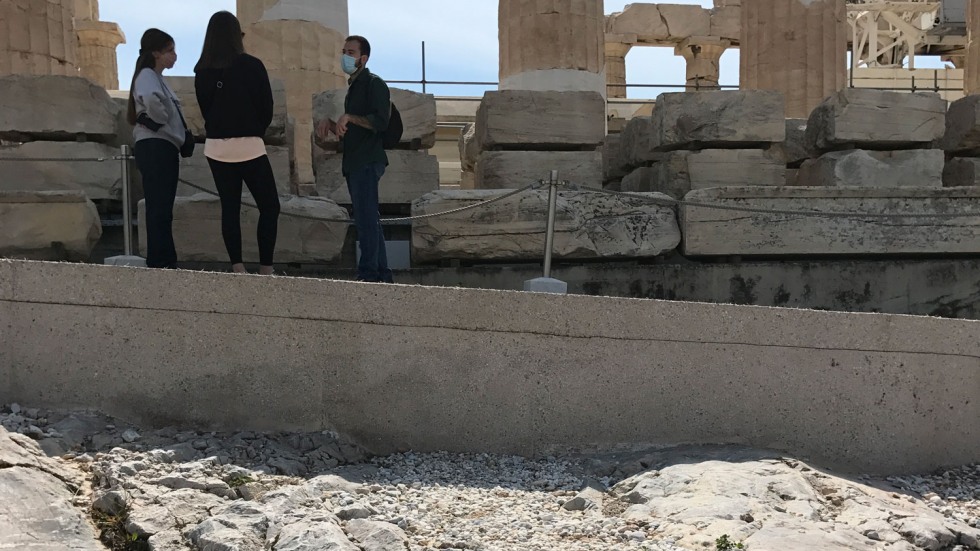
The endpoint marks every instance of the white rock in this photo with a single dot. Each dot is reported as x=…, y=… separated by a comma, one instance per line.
x=55, y=108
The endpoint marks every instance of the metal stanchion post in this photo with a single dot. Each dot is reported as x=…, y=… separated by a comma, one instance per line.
x=547, y=284
x=127, y=259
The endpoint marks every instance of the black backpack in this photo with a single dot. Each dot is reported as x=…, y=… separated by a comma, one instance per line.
x=392, y=136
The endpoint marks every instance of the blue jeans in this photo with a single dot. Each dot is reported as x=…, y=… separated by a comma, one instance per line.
x=362, y=183
x=159, y=163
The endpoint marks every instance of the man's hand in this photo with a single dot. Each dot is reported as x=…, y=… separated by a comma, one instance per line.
x=341, y=126
x=325, y=127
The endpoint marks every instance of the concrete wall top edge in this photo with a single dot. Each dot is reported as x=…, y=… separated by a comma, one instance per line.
x=482, y=310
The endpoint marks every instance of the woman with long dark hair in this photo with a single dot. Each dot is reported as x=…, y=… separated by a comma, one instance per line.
x=159, y=132
x=235, y=96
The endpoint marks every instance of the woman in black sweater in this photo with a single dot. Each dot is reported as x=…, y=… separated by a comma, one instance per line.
x=235, y=96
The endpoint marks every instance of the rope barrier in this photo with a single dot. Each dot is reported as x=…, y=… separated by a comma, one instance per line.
x=383, y=220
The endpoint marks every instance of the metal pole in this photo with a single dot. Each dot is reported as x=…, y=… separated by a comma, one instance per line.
x=127, y=210
x=423, y=66
x=550, y=236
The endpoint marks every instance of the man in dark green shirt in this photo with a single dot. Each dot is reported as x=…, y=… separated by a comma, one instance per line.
x=367, y=110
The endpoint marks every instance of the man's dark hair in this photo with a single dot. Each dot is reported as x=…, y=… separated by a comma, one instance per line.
x=222, y=42
x=363, y=42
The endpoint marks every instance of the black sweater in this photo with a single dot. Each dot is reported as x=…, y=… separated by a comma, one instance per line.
x=242, y=106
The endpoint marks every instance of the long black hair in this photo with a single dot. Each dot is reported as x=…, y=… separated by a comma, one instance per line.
x=154, y=40
x=222, y=43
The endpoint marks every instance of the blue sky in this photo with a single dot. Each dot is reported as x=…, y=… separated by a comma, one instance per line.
x=460, y=38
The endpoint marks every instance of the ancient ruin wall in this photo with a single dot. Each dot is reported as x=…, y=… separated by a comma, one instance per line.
x=37, y=37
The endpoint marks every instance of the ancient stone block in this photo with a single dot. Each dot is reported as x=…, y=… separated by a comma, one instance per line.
x=37, y=37
x=197, y=171
x=515, y=169
x=726, y=22
x=876, y=119
x=55, y=108
x=99, y=180
x=637, y=143
x=860, y=168
x=197, y=230
x=588, y=225
x=732, y=232
x=642, y=179
x=794, y=148
x=681, y=171
x=962, y=171
x=418, y=113
x=660, y=22
x=962, y=135
x=183, y=88
x=524, y=119
x=409, y=175
x=721, y=119
x=48, y=225
x=613, y=165
x=469, y=152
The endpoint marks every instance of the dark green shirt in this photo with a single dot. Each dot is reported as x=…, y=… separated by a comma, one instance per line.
x=368, y=97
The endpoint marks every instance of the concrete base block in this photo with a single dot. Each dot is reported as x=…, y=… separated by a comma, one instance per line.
x=546, y=285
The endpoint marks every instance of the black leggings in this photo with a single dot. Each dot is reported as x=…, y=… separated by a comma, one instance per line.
x=257, y=175
x=159, y=164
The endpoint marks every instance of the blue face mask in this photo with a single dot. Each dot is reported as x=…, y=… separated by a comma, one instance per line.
x=348, y=64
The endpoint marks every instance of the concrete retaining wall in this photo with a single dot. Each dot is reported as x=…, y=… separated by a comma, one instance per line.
x=467, y=370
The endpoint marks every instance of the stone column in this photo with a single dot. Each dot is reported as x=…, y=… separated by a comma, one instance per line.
x=37, y=37
x=557, y=45
x=617, y=46
x=300, y=42
x=798, y=47
x=971, y=77
x=97, y=41
x=703, y=56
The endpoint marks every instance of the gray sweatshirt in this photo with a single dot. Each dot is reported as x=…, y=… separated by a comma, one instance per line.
x=156, y=99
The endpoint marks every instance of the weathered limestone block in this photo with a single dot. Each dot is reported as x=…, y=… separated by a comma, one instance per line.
x=418, y=113
x=410, y=175
x=613, y=165
x=588, y=225
x=99, y=180
x=731, y=232
x=37, y=37
x=469, y=151
x=962, y=171
x=642, y=179
x=794, y=148
x=652, y=22
x=197, y=171
x=48, y=225
x=183, y=88
x=524, y=119
x=876, y=119
x=875, y=169
x=962, y=135
x=726, y=22
x=722, y=119
x=637, y=143
x=515, y=169
x=197, y=230
x=681, y=171
x=55, y=108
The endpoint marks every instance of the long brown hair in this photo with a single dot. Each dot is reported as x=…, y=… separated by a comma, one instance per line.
x=222, y=42
x=154, y=40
